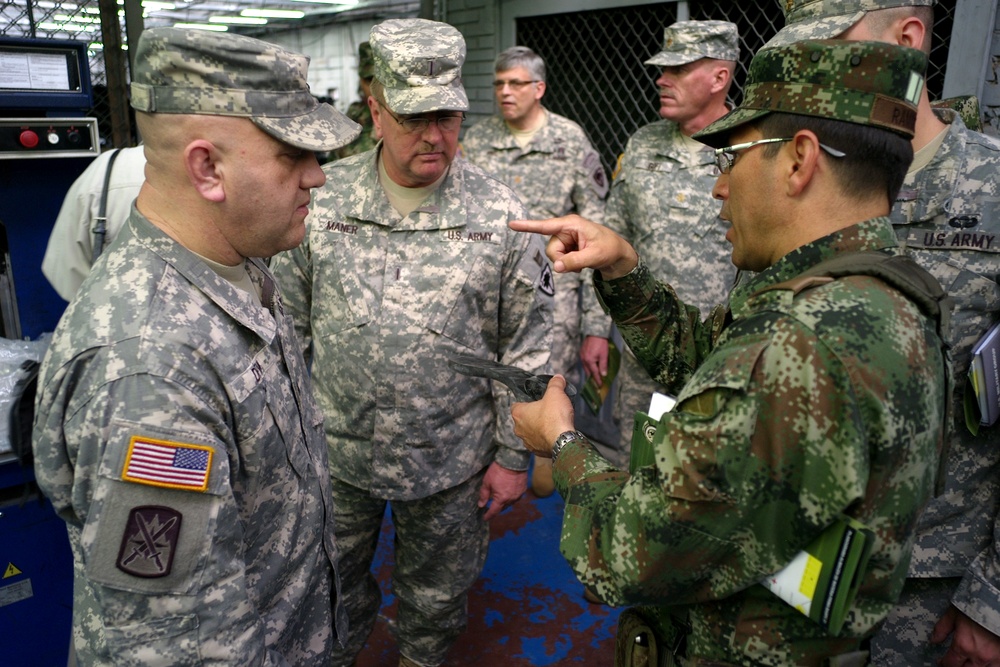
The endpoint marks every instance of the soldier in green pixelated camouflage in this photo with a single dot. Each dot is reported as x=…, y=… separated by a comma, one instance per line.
x=408, y=260
x=948, y=217
x=175, y=429
x=804, y=400
x=358, y=111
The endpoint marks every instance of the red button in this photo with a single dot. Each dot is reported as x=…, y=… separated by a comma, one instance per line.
x=28, y=139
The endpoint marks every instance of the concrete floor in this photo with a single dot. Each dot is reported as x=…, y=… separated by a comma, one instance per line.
x=527, y=607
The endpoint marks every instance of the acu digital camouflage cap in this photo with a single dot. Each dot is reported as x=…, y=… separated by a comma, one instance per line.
x=188, y=71
x=687, y=41
x=419, y=62
x=366, y=63
x=826, y=19
x=868, y=83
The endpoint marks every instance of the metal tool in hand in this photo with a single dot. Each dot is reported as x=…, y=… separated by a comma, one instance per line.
x=526, y=386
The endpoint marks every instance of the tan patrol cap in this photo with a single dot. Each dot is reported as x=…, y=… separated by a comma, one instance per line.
x=419, y=63
x=687, y=41
x=827, y=19
x=189, y=71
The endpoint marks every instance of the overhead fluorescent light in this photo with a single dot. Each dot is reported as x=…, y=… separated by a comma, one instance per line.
x=237, y=20
x=345, y=3
x=273, y=13
x=217, y=27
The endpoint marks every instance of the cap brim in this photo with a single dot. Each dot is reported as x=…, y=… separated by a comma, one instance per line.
x=672, y=59
x=322, y=129
x=825, y=28
x=717, y=134
x=422, y=99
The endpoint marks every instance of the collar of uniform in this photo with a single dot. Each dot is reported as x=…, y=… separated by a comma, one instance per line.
x=236, y=303
x=930, y=193
x=872, y=234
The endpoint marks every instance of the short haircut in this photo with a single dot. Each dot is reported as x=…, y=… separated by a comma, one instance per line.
x=876, y=160
x=880, y=20
x=521, y=56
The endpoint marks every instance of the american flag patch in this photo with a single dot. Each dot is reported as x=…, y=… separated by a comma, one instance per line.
x=174, y=465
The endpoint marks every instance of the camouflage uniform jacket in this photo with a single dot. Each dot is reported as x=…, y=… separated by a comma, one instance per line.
x=661, y=202
x=362, y=115
x=790, y=417
x=559, y=172
x=223, y=552
x=382, y=301
x=948, y=217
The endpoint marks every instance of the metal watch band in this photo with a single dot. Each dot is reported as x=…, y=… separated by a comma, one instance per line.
x=563, y=439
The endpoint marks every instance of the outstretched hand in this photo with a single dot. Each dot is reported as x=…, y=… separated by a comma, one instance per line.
x=540, y=422
x=577, y=243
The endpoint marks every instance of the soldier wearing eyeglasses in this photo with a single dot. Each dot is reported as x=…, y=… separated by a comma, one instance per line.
x=408, y=259
x=661, y=200
x=816, y=397
x=549, y=161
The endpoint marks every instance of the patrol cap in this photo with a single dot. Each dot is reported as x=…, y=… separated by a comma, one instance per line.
x=190, y=71
x=868, y=83
x=366, y=64
x=826, y=19
x=687, y=41
x=419, y=63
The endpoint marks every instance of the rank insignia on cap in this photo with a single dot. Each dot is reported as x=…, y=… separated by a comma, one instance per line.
x=149, y=541
x=173, y=465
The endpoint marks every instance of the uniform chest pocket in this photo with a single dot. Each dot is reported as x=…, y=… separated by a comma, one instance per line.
x=339, y=299
x=467, y=305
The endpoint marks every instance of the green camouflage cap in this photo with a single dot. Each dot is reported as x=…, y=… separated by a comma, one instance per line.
x=189, y=71
x=687, y=41
x=826, y=19
x=868, y=83
x=419, y=62
x=366, y=63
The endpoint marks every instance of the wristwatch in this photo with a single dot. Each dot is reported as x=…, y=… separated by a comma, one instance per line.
x=563, y=439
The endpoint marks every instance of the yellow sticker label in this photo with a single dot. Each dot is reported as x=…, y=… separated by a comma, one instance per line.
x=810, y=578
x=11, y=571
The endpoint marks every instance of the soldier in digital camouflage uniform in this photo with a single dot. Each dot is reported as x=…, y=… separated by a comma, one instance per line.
x=661, y=200
x=805, y=400
x=549, y=161
x=175, y=431
x=948, y=217
x=408, y=260
x=358, y=111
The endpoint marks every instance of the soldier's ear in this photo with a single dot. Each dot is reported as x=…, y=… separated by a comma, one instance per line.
x=203, y=169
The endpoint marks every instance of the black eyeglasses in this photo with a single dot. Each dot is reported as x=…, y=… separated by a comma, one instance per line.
x=513, y=83
x=413, y=124
x=726, y=157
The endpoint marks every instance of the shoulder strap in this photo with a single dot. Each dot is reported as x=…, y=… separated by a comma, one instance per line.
x=899, y=271
x=101, y=222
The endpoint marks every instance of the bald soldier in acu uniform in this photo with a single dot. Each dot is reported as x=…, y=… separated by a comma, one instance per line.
x=175, y=431
x=408, y=260
x=818, y=394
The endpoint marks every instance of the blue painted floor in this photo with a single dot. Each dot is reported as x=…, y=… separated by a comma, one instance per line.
x=527, y=607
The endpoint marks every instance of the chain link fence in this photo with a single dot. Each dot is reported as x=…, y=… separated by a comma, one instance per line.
x=596, y=74
x=595, y=58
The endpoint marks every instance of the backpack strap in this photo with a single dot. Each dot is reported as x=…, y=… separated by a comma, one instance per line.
x=899, y=271
x=101, y=221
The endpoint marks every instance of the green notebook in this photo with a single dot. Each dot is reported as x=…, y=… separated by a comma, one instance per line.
x=822, y=580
